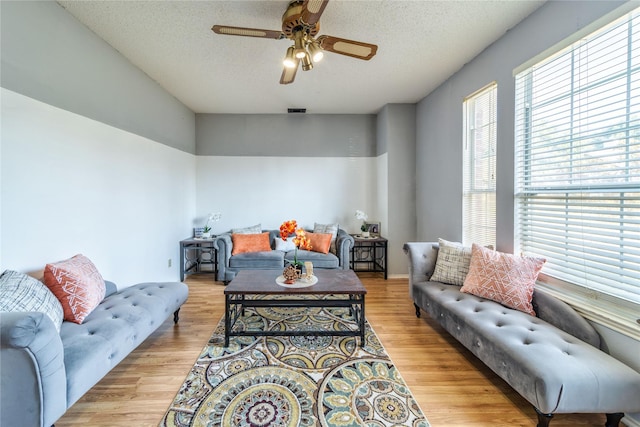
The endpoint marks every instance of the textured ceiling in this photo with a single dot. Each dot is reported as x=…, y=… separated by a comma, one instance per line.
x=420, y=44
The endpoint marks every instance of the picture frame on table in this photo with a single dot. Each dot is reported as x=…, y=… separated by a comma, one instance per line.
x=373, y=228
x=197, y=232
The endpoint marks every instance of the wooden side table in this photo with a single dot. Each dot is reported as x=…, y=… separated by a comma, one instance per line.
x=369, y=254
x=196, y=253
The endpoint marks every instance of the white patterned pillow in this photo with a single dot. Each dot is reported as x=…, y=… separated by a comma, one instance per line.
x=452, y=264
x=328, y=229
x=20, y=292
x=254, y=229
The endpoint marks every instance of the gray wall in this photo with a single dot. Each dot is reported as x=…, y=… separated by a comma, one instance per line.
x=49, y=56
x=397, y=137
x=439, y=119
x=291, y=135
x=439, y=133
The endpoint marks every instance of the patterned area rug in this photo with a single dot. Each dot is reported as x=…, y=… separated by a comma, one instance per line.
x=294, y=381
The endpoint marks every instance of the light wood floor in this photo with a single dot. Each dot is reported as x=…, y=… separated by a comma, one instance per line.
x=452, y=387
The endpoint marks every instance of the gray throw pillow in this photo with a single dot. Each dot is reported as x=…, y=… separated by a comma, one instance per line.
x=254, y=229
x=20, y=292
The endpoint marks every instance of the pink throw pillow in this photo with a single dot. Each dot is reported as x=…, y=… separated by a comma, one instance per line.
x=503, y=278
x=78, y=286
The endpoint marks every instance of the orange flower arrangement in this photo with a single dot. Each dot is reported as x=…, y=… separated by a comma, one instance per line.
x=301, y=240
x=288, y=228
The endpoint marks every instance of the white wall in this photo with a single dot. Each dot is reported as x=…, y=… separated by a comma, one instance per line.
x=74, y=185
x=269, y=190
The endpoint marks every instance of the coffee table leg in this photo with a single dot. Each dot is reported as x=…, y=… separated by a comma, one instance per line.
x=227, y=320
x=353, y=312
x=362, y=322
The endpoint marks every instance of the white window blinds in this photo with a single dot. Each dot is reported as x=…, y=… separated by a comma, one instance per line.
x=479, y=167
x=578, y=161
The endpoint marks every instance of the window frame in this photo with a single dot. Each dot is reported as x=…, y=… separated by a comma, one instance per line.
x=614, y=310
x=484, y=228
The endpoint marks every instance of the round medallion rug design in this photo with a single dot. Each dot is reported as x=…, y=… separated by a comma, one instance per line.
x=310, y=352
x=367, y=392
x=294, y=381
x=260, y=397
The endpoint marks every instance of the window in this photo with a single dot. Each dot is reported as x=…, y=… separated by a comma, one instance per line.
x=578, y=161
x=479, y=168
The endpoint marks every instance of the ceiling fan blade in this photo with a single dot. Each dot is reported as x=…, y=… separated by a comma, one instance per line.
x=247, y=32
x=289, y=74
x=351, y=48
x=312, y=10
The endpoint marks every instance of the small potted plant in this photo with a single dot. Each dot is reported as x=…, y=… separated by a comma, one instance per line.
x=363, y=228
x=206, y=232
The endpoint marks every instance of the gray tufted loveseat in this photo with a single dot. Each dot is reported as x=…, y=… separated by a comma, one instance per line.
x=554, y=360
x=45, y=372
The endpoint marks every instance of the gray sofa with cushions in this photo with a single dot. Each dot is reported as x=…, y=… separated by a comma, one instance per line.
x=229, y=265
x=45, y=372
x=553, y=360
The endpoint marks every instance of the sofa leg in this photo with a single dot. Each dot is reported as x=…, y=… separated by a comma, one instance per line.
x=417, y=309
x=176, y=316
x=613, y=419
x=543, y=419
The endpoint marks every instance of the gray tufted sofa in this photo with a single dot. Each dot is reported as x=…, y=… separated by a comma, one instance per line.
x=554, y=360
x=45, y=372
x=229, y=265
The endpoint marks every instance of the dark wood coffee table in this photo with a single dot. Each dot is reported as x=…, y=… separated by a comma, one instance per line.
x=250, y=283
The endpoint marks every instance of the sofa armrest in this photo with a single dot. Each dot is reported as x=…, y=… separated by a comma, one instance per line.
x=422, y=261
x=344, y=243
x=110, y=288
x=564, y=317
x=33, y=385
x=224, y=245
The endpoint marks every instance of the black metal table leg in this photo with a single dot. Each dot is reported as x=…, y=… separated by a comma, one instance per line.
x=362, y=319
x=227, y=320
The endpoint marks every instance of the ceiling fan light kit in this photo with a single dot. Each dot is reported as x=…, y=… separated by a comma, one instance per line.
x=290, y=60
x=300, y=23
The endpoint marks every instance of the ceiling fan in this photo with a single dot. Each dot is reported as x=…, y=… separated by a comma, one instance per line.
x=300, y=23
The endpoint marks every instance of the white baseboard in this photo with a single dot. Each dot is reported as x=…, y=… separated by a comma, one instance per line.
x=397, y=276
x=630, y=422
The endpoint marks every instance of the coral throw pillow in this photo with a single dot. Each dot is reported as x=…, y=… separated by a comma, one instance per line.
x=319, y=242
x=503, y=278
x=78, y=286
x=250, y=243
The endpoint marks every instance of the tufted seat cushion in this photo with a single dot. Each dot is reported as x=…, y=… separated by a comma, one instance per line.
x=118, y=325
x=553, y=370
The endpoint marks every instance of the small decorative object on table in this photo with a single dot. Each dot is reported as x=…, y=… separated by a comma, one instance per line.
x=363, y=216
x=300, y=240
x=206, y=231
x=308, y=270
x=290, y=274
